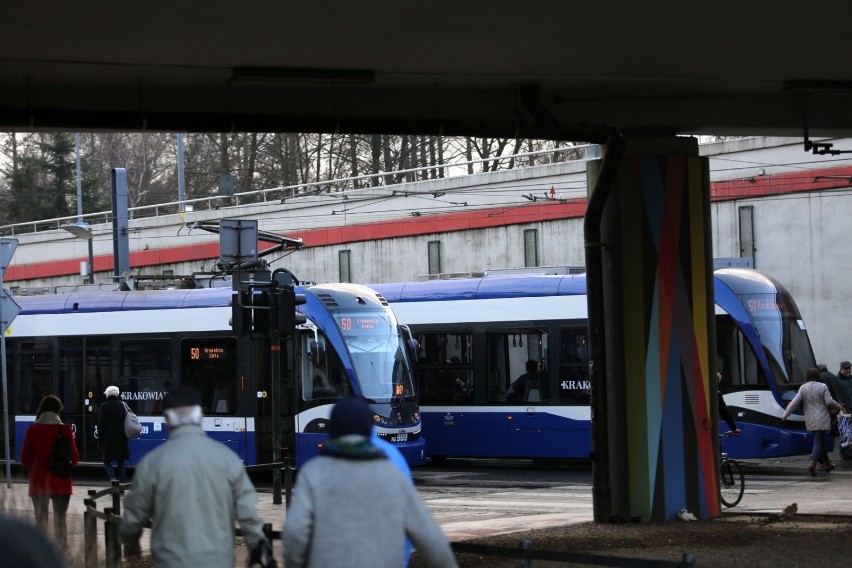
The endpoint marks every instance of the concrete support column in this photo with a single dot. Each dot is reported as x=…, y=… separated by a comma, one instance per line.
x=654, y=295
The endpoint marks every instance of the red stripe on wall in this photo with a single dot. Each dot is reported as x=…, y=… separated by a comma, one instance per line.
x=793, y=182
x=469, y=220
x=408, y=227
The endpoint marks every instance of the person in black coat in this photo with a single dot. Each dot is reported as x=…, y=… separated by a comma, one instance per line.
x=517, y=389
x=829, y=379
x=112, y=440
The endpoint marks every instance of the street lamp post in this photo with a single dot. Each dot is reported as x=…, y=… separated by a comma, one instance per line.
x=81, y=230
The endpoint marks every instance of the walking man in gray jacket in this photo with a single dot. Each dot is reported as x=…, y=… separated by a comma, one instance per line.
x=193, y=489
x=352, y=507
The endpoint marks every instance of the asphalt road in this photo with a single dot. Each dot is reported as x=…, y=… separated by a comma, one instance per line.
x=476, y=498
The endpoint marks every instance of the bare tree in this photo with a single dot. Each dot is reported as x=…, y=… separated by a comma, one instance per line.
x=260, y=160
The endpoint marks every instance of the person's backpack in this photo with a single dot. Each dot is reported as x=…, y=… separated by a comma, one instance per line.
x=61, y=456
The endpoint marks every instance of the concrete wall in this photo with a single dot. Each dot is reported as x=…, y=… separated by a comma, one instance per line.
x=406, y=258
x=803, y=241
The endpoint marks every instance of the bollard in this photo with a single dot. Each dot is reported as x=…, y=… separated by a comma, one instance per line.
x=113, y=546
x=288, y=482
x=90, y=534
x=526, y=562
x=276, y=485
x=116, y=497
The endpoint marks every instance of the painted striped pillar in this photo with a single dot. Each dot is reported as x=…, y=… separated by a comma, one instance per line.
x=658, y=303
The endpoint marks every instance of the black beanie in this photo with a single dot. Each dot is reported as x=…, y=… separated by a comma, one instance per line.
x=351, y=416
x=182, y=396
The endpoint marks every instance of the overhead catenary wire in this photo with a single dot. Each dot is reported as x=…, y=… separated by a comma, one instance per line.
x=507, y=195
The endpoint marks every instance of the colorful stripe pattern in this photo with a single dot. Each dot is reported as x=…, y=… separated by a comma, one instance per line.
x=663, y=206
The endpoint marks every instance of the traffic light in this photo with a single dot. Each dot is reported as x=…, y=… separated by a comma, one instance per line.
x=261, y=313
x=288, y=317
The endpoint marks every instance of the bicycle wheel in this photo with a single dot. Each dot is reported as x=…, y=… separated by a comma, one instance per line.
x=731, y=483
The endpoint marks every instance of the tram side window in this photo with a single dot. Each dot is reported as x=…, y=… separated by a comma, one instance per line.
x=96, y=370
x=323, y=376
x=508, y=353
x=70, y=369
x=445, y=368
x=146, y=370
x=735, y=359
x=210, y=365
x=36, y=375
x=574, y=383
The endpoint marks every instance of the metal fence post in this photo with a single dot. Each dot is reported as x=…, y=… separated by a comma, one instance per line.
x=90, y=534
x=526, y=562
x=288, y=482
x=276, y=484
x=113, y=546
x=116, y=497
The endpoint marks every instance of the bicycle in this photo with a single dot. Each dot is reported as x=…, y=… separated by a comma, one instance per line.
x=731, y=478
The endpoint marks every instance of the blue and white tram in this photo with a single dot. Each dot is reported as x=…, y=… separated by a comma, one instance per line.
x=476, y=335
x=145, y=342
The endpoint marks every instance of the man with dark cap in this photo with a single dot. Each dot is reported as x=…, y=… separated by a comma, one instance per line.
x=193, y=489
x=351, y=493
x=830, y=380
x=844, y=377
x=112, y=440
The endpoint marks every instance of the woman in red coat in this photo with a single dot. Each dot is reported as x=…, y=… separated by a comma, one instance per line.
x=44, y=485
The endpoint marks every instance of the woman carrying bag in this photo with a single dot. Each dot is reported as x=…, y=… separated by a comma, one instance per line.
x=45, y=486
x=819, y=407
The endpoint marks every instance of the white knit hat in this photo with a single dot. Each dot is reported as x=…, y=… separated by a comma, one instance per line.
x=112, y=391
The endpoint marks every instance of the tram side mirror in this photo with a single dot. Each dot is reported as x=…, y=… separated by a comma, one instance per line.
x=410, y=343
x=413, y=349
x=317, y=351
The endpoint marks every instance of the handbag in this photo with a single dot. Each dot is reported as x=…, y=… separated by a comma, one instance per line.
x=132, y=427
x=61, y=456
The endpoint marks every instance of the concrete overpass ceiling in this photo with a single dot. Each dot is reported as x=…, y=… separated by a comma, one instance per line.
x=546, y=68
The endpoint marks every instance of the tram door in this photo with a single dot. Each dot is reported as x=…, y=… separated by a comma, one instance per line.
x=83, y=372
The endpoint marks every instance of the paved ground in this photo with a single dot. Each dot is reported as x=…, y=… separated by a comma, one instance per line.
x=480, y=509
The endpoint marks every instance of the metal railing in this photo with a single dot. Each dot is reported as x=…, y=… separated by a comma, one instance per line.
x=111, y=516
x=287, y=469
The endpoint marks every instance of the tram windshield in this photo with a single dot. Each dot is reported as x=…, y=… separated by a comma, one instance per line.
x=378, y=354
x=783, y=335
